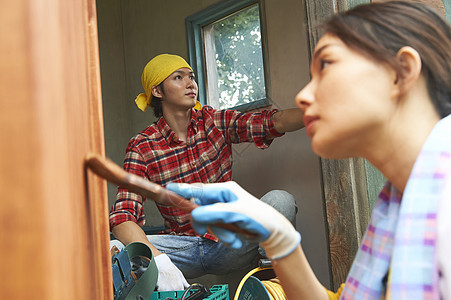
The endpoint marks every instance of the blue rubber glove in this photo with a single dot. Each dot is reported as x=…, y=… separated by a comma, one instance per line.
x=226, y=203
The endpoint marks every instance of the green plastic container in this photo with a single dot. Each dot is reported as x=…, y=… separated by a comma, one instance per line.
x=219, y=292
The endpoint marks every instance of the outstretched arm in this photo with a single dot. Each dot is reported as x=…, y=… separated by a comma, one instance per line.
x=287, y=120
x=227, y=202
x=297, y=278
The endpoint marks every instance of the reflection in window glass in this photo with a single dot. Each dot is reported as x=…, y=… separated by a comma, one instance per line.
x=234, y=62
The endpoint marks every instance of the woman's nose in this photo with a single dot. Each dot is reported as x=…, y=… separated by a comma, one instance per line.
x=305, y=97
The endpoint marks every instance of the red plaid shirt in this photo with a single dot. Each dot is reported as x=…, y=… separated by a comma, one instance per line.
x=159, y=156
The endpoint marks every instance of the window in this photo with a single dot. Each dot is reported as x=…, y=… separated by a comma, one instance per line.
x=226, y=52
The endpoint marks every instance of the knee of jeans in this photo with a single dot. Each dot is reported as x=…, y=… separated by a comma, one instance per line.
x=283, y=202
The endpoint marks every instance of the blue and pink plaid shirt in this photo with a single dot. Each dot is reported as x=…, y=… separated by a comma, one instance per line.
x=159, y=156
x=398, y=255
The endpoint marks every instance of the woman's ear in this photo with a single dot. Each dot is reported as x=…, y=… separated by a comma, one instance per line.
x=409, y=72
x=156, y=91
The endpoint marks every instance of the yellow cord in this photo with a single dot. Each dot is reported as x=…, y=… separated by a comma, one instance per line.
x=273, y=286
x=274, y=289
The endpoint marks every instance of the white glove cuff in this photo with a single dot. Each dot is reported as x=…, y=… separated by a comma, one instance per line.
x=162, y=261
x=279, y=245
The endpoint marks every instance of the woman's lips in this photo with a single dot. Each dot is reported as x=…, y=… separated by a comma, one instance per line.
x=309, y=122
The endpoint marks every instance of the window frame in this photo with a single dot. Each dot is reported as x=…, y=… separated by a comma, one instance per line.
x=196, y=50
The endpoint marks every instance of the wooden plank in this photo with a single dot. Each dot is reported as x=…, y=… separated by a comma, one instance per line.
x=346, y=203
x=50, y=114
x=97, y=188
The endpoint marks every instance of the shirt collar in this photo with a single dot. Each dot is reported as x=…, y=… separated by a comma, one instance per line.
x=169, y=134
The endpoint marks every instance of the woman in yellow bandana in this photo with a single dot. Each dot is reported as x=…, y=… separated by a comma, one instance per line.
x=191, y=144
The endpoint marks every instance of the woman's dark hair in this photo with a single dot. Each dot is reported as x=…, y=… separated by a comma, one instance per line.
x=379, y=30
x=156, y=104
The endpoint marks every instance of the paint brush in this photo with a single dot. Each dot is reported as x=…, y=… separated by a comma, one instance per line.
x=112, y=172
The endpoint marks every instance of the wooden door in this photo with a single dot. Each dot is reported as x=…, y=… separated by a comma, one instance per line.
x=54, y=231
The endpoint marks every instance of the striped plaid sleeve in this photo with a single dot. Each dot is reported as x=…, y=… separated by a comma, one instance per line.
x=238, y=127
x=129, y=206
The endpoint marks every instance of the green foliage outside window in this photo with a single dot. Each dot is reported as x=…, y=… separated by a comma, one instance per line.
x=239, y=61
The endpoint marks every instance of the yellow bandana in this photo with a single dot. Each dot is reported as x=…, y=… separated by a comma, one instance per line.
x=155, y=72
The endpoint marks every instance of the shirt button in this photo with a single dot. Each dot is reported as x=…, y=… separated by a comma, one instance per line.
x=193, y=163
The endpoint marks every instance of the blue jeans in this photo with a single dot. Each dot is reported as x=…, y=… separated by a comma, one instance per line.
x=196, y=256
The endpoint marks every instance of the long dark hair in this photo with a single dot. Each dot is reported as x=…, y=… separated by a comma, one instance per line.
x=379, y=30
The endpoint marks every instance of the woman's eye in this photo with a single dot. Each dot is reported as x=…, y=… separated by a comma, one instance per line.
x=323, y=63
x=178, y=77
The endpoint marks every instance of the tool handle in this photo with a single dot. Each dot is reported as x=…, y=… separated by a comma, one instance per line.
x=110, y=171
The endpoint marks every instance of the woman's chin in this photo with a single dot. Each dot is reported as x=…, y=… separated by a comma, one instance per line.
x=327, y=150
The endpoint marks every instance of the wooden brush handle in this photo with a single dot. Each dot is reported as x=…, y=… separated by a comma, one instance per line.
x=110, y=171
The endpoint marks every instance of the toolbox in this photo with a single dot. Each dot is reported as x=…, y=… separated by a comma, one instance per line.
x=135, y=276
x=218, y=292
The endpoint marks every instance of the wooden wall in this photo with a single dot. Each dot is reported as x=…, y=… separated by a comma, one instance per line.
x=53, y=215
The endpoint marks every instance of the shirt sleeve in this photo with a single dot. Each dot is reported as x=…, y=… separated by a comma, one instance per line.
x=443, y=241
x=129, y=206
x=238, y=127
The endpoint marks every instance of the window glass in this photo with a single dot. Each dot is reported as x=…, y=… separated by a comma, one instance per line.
x=225, y=45
x=233, y=58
